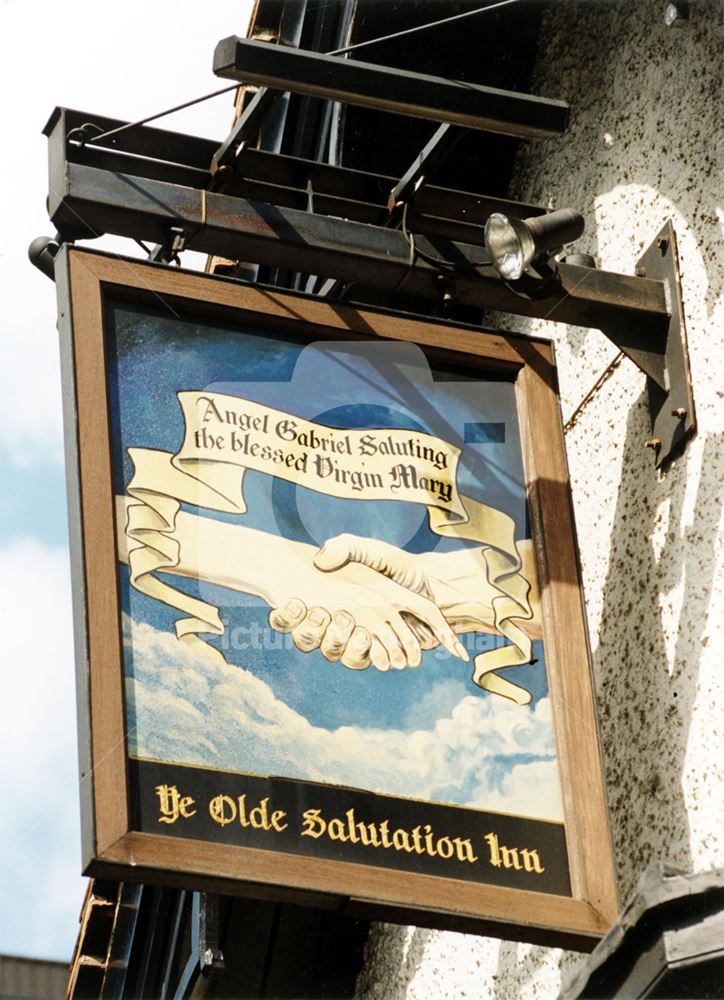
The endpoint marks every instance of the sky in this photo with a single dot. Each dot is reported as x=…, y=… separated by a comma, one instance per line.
x=127, y=61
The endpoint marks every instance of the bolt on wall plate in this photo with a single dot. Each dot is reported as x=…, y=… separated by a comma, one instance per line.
x=673, y=419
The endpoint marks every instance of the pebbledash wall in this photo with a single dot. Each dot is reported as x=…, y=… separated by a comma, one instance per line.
x=645, y=144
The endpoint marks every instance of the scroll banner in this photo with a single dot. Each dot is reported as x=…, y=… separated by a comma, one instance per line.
x=225, y=435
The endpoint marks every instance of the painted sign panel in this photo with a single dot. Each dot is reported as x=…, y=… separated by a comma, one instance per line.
x=332, y=642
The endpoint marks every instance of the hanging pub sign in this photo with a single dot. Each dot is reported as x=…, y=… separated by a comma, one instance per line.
x=331, y=644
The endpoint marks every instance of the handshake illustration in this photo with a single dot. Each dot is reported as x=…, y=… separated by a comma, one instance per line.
x=359, y=601
x=367, y=602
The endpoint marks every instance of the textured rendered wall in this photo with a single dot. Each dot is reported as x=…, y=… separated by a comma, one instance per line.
x=645, y=144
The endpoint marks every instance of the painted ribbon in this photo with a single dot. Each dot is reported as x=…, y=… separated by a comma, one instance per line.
x=225, y=435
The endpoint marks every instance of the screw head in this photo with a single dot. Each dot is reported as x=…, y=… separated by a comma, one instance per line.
x=676, y=13
x=679, y=412
x=640, y=272
x=654, y=443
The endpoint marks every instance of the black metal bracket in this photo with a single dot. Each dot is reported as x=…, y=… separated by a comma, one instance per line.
x=667, y=942
x=278, y=68
x=245, y=128
x=673, y=417
x=149, y=184
x=386, y=88
x=664, y=359
x=168, y=252
x=209, y=953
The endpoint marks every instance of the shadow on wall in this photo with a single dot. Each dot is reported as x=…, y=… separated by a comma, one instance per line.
x=393, y=955
x=646, y=697
x=641, y=148
x=517, y=966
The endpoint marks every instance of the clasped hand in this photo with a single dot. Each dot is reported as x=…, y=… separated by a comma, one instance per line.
x=369, y=602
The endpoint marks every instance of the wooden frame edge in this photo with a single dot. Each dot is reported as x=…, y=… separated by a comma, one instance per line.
x=340, y=882
x=590, y=854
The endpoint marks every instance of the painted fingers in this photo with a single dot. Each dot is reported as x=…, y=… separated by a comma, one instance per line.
x=394, y=644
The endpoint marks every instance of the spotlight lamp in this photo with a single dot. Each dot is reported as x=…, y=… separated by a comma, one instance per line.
x=514, y=244
x=42, y=252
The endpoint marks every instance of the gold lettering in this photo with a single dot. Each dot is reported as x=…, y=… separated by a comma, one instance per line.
x=222, y=809
x=494, y=852
x=351, y=830
x=358, y=831
x=400, y=840
x=258, y=816
x=385, y=830
x=532, y=861
x=335, y=830
x=444, y=847
x=416, y=845
x=464, y=849
x=172, y=804
x=276, y=820
x=509, y=857
x=314, y=825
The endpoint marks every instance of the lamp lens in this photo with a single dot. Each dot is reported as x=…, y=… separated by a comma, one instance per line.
x=504, y=246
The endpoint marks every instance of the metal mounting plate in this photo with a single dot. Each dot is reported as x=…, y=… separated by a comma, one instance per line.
x=673, y=418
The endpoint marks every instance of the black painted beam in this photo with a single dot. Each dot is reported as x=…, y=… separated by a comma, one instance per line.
x=369, y=256
x=488, y=109
x=272, y=177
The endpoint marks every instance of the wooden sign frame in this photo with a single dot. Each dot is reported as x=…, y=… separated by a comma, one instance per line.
x=112, y=847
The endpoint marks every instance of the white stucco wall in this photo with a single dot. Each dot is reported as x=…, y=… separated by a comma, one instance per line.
x=643, y=146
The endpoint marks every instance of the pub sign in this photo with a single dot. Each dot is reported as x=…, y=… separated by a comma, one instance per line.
x=331, y=644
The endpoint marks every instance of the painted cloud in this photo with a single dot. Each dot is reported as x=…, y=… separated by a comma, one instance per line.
x=185, y=706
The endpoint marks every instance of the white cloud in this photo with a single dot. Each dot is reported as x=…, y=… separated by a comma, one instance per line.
x=191, y=708
x=532, y=784
x=40, y=884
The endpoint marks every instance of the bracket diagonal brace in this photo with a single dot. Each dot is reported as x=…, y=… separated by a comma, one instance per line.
x=427, y=161
x=665, y=361
x=247, y=125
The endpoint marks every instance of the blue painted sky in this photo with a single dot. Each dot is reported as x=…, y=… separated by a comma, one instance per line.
x=156, y=355
x=157, y=358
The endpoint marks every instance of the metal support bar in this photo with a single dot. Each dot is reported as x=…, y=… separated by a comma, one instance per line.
x=244, y=128
x=272, y=177
x=369, y=256
x=389, y=89
x=210, y=955
x=425, y=164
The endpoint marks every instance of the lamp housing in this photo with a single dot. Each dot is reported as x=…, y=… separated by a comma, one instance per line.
x=513, y=244
x=42, y=252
